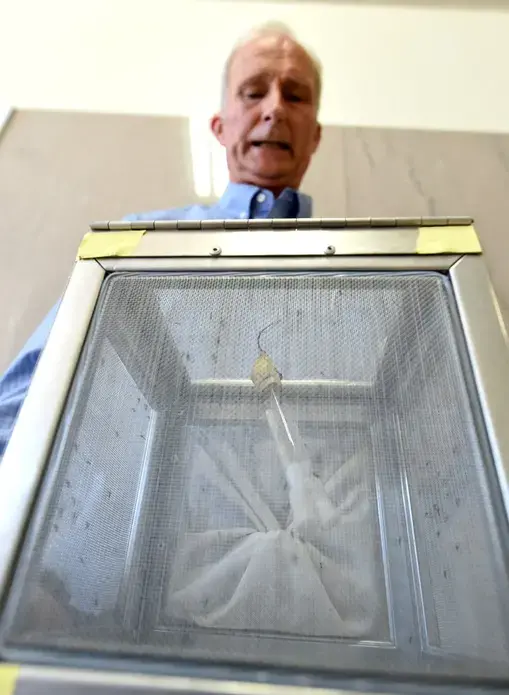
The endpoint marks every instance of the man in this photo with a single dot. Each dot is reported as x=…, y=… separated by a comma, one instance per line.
x=269, y=129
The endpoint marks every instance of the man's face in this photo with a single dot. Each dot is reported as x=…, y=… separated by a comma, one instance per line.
x=268, y=123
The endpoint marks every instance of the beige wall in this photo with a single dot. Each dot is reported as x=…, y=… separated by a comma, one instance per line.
x=58, y=172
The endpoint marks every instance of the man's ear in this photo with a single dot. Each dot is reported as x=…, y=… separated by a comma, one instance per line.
x=216, y=126
x=318, y=136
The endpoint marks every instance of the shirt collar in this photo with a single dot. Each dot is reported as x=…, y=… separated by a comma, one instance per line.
x=238, y=199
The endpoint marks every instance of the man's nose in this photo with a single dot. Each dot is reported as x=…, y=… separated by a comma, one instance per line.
x=273, y=105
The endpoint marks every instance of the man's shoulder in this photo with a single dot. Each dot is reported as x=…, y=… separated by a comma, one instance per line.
x=189, y=212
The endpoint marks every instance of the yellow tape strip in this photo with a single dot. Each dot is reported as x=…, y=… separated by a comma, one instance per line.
x=105, y=244
x=8, y=677
x=453, y=239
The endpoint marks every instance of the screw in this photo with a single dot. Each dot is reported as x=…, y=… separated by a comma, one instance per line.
x=216, y=251
x=330, y=250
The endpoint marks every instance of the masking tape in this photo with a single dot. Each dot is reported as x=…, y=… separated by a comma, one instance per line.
x=8, y=677
x=451, y=239
x=106, y=244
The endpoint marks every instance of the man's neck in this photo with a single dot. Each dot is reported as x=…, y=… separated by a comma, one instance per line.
x=275, y=190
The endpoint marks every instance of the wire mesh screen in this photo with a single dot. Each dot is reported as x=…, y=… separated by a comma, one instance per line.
x=279, y=468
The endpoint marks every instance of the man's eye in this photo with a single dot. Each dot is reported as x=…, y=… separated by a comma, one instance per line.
x=253, y=95
x=294, y=97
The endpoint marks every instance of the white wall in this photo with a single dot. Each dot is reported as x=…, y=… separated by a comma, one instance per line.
x=384, y=66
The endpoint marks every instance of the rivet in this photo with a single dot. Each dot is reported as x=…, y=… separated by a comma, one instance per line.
x=216, y=251
x=330, y=250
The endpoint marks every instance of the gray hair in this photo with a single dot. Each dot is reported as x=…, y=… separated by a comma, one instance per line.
x=272, y=29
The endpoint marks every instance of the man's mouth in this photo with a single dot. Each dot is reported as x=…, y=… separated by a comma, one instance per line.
x=274, y=144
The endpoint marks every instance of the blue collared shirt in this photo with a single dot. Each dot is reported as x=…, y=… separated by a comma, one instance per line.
x=240, y=201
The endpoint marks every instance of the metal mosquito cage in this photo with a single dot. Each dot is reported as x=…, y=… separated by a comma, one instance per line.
x=267, y=444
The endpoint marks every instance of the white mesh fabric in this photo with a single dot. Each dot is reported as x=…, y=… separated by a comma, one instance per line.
x=249, y=571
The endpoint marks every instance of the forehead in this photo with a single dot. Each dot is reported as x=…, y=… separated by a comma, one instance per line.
x=277, y=56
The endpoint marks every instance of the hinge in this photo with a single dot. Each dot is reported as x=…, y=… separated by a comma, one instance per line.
x=278, y=224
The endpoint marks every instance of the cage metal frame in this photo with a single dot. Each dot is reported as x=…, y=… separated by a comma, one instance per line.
x=365, y=250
